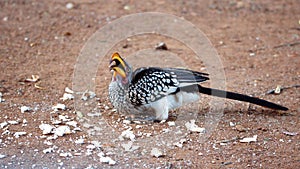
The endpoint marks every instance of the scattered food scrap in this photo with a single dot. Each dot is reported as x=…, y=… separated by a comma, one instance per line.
x=68, y=90
x=129, y=146
x=50, y=149
x=2, y=156
x=127, y=134
x=36, y=85
x=18, y=134
x=34, y=78
x=97, y=144
x=88, y=95
x=1, y=99
x=155, y=152
x=3, y=124
x=46, y=128
x=126, y=121
x=66, y=154
x=25, y=109
x=180, y=143
x=63, y=118
x=289, y=133
x=79, y=141
x=232, y=124
x=171, y=123
x=249, y=139
x=13, y=122
x=72, y=123
x=277, y=89
x=59, y=106
x=105, y=159
x=67, y=96
x=191, y=126
x=62, y=130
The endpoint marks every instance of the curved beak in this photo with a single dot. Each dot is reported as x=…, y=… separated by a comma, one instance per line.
x=117, y=70
x=117, y=65
x=118, y=60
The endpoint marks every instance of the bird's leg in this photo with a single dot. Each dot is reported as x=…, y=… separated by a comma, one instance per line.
x=143, y=119
x=142, y=115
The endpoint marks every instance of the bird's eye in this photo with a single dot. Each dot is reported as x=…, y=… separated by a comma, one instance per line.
x=112, y=65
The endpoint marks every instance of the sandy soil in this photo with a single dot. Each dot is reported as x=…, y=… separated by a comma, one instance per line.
x=258, y=43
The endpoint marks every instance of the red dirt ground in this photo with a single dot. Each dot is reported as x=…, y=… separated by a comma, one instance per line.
x=258, y=42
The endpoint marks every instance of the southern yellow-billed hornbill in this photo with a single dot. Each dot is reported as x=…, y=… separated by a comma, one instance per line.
x=149, y=93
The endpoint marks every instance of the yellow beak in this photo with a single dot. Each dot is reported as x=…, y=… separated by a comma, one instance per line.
x=119, y=71
x=118, y=65
x=116, y=57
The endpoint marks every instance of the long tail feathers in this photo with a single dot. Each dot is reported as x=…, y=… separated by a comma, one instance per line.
x=240, y=97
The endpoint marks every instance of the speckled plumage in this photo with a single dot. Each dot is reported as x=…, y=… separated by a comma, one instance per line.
x=151, y=86
x=149, y=93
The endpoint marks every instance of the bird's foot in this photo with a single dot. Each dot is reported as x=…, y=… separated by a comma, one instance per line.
x=142, y=119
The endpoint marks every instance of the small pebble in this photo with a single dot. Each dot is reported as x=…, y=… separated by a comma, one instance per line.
x=72, y=123
x=171, y=123
x=107, y=160
x=1, y=99
x=69, y=5
x=46, y=128
x=290, y=133
x=240, y=128
x=127, y=134
x=67, y=96
x=59, y=106
x=13, y=122
x=18, y=134
x=25, y=109
x=97, y=144
x=231, y=124
x=249, y=139
x=62, y=130
x=127, y=7
x=191, y=126
x=66, y=154
x=5, y=18
x=91, y=146
x=252, y=54
x=68, y=90
x=138, y=126
x=277, y=90
x=161, y=46
x=79, y=141
x=3, y=124
x=48, y=150
x=126, y=121
x=155, y=152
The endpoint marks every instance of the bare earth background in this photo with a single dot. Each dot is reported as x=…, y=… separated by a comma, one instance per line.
x=258, y=42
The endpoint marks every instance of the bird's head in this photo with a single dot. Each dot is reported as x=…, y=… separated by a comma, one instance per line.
x=121, y=70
